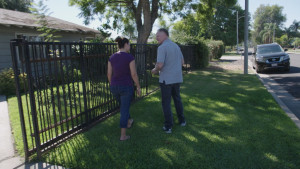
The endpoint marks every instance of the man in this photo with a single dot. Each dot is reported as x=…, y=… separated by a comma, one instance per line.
x=169, y=66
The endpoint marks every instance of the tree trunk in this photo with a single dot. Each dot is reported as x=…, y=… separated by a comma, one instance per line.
x=143, y=34
x=150, y=14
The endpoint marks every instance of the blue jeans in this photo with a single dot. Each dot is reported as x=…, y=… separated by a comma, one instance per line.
x=123, y=94
x=168, y=91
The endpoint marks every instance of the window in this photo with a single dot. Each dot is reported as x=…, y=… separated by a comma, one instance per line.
x=269, y=49
x=30, y=37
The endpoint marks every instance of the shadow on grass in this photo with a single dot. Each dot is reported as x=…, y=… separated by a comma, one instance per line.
x=232, y=122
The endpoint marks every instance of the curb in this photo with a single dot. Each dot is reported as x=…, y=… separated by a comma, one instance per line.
x=283, y=106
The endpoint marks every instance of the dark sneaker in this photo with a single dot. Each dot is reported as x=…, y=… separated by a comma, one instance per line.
x=168, y=131
x=183, y=124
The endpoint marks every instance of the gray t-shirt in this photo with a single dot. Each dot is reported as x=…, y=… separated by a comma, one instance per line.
x=170, y=55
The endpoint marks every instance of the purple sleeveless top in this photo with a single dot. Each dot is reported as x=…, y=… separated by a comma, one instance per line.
x=121, y=75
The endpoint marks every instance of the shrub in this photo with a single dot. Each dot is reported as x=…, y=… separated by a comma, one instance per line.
x=202, y=53
x=216, y=49
x=183, y=38
x=7, y=82
x=228, y=48
x=202, y=59
x=70, y=73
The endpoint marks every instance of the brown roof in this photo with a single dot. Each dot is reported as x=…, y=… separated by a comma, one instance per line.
x=16, y=18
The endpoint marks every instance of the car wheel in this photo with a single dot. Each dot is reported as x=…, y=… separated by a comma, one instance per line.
x=258, y=69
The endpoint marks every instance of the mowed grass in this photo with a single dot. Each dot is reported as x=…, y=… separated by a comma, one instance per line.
x=69, y=104
x=232, y=122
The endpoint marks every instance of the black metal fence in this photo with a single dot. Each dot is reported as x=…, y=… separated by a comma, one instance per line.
x=62, y=88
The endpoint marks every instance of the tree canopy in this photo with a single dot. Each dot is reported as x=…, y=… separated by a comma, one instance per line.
x=18, y=5
x=221, y=26
x=41, y=12
x=296, y=42
x=267, y=14
x=295, y=26
x=120, y=13
x=268, y=33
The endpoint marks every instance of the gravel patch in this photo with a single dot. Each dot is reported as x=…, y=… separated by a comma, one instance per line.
x=228, y=63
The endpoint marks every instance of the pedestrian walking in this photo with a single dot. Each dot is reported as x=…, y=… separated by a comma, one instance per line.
x=121, y=73
x=169, y=66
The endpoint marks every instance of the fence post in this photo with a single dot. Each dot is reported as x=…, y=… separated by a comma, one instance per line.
x=145, y=68
x=18, y=88
x=186, y=63
x=83, y=78
x=32, y=99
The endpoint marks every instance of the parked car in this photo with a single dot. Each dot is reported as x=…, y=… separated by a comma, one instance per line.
x=270, y=56
x=239, y=49
x=249, y=53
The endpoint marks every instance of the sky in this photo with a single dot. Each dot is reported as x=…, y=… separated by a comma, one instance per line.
x=61, y=9
x=290, y=8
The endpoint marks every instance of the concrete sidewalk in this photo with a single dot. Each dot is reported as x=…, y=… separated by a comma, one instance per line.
x=8, y=157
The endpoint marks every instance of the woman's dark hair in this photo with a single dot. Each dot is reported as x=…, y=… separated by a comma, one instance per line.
x=121, y=41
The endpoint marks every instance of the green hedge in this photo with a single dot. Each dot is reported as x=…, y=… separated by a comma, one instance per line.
x=7, y=82
x=202, y=50
x=216, y=49
x=202, y=59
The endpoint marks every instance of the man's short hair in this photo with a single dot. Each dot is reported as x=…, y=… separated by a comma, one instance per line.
x=163, y=30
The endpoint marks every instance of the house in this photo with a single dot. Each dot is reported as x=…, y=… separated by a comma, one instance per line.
x=20, y=25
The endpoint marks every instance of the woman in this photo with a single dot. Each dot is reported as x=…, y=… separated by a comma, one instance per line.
x=120, y=72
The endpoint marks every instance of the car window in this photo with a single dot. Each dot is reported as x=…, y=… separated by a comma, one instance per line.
x=269, y=49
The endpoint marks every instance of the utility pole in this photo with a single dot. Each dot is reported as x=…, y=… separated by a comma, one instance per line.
x=246, y=37
x=274, y=27
x=237, y=32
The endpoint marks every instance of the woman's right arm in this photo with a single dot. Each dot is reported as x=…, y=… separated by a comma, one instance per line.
x=109, y=71
x=135, y=77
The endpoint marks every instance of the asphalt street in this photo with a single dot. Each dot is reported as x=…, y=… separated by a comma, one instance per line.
x=290, y=81
x=286, y=85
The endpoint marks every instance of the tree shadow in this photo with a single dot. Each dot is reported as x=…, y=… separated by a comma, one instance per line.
x=229, y=125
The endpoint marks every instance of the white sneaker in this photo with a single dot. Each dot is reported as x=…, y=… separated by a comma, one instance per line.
x=168, y=131
x=183, y=124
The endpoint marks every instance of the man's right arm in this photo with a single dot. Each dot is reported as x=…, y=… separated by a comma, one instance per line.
x=182, y=58
x=161, y=56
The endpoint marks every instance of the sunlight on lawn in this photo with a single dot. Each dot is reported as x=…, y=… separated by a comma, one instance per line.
x=212, y=137
x=190, y=137
x=271, y=157
x=166, y=154
x=232, y=122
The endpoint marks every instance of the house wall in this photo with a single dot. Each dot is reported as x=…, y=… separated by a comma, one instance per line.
x=8, y=33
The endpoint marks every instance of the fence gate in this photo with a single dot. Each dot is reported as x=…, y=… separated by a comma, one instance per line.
x=62, y=88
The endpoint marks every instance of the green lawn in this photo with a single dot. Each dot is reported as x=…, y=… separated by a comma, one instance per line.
x=232, y=53
x=232, y=122
x=62, y=110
